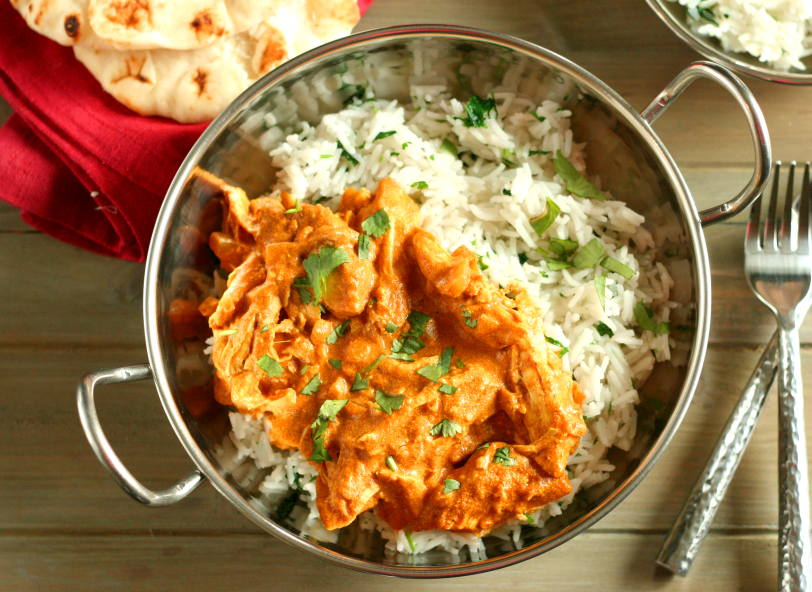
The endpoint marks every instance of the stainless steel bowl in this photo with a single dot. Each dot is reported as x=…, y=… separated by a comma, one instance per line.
x=675, y=16
x=623, y=149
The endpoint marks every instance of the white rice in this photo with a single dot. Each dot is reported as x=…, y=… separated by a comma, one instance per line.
x=484, y=202
x=777, y=32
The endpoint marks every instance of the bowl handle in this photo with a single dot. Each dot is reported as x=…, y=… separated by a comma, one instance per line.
x=103, y=450
x=755, y=120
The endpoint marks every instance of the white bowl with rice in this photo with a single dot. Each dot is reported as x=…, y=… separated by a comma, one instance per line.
x=391, y=104
x=767, y=39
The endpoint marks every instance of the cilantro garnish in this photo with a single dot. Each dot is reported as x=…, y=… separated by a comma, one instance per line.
x=420, y=185
x=327, y=413
x=363, y=246
x=529, y=518
x=304, y=370
x=600, y=287
x=557, y=343
x=446, y=428
x=643, y=317
x=484, y=446
x=417, y=323
x=388, y=403
x=447, y=389
x=373, y=364
x=502, y=457
x=402, y=357
x=451, y=485
x=264, y=329
x=336, y=364
x=507, y=192
x=339, y=331
x=376, y=224
x=542, y=152
x=617, y=267
x=321, y=199
x=312, y=387
x=471, y=323
x=383, y=135
x=409, y=539
x=391, y=327
x=460, y=363
x=604, y=329
x=562, y=246
x=227, y=332
x=449, y=147
x=270, y=366
x=477, y=110
x=539, y=117
x=359, y=383
x=523, y=258
x=408, y=345
x=405, y=144
x=346, y=154
x=542, y=223
x=481, y=264
x=318, y=267
x=434, y=371
x=296, y=208
x=589, y=255
x=576, y=184
x=390, y=462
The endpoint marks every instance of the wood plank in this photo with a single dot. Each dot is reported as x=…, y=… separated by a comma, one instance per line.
x=610, y=562
x=10, y=221
x=39, y=425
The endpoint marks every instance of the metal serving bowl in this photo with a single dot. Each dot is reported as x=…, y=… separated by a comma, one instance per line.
x=675, y=16
x=630, y=159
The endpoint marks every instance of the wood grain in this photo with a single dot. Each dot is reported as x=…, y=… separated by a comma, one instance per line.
x=66, y=526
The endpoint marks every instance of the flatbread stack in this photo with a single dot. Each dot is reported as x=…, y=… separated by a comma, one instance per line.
x=186, y=59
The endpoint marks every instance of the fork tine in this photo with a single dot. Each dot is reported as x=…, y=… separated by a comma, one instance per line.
x=806, y=211
x=770, y=225
x=785, y=238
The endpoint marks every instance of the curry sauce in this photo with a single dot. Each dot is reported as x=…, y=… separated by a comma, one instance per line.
x=417, y=386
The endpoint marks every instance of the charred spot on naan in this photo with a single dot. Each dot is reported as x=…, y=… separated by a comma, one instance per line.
x=204, y=26
x=270, y=52
x=135, y=65
x=200, y=79
x=73, y=26
x=133, y=14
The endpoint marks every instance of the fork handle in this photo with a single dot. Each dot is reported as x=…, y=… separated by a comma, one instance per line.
x=793, y=482
x=691, y=526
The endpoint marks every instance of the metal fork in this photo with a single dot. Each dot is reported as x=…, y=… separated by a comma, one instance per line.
x=780, y=274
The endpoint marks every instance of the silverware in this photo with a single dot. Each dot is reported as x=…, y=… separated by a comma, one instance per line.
x=692, y=524
x=780, y=274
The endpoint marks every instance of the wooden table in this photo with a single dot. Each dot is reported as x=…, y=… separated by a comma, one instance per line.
x=65, y=525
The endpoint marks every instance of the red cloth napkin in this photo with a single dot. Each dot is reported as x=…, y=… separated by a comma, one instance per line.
x=80, y=166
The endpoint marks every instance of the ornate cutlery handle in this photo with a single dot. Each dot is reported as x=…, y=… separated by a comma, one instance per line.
x=689, y=530
x=793, y=481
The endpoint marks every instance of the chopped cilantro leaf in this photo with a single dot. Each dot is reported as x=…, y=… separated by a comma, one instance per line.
x=466, y=314
x=589, y=255
x=600, y=287
x=383, y=135
x=604, y=329
x=446, y=428
x=484, y=446
x=477, y=111
x=529, y=518
x=447, y=389
x=388, y=403
x=304, y=370
x=434, y=371
x=643, y=316
x=542, y=152
x=336, y=364
x=264, y=329
x=507, y=191
x=227, y=332
x=451, y=485
x=390, y=462
x=270, y=366
x=318, y=267
x=346, y=154
x=391, y=327
x=377, y=224
x=318, y=429
x=363, y=246
x=460, y=363
x=420, y=185
x=539, y=117
x=312, y=387
x=617, y=267
x=408, y=345
x=297, y=207
x=481, y=264
x=403, y=357
x=523, y=258
x=410, y=541
x=449, y=147
x=557, y=343
x=471, y=323
x=576, y=184
x=359, y=383
x=417, y=323
x=405, y=144
x=339, y=331
x=557, y=264
x=321, y=199
x=542, y=223
x=561, y=246
x=373, y=364
x=502, y=457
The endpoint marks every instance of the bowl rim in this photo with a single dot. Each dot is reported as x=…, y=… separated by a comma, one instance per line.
x=632, y=118
x=702, y=46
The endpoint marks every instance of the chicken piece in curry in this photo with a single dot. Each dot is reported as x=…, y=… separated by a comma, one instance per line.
x=419, y=388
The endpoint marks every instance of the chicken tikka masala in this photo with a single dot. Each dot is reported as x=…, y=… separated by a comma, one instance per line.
x=417, y=386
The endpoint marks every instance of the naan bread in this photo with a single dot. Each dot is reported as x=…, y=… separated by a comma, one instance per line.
x=195, y=85
x=144, y=24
